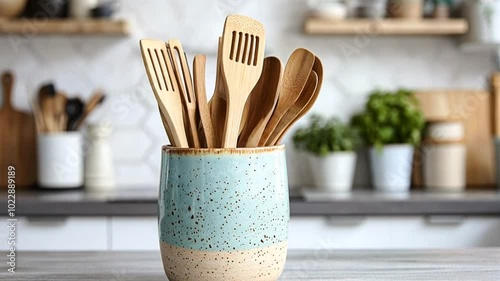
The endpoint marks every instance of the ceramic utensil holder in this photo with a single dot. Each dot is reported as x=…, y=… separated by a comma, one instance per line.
x=223, y=213
x=60, y=160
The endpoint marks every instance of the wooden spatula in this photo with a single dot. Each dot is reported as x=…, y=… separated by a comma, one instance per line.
x=318, y=68
x=261, y=103
x=286, y=121
x=162, y=79
x=207, y=130
x=46, y=100
x=243, y=47
x=218, y=102
x=185, y=86
x=297, y=71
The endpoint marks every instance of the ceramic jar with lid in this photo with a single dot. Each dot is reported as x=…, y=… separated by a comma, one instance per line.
x=444, y=156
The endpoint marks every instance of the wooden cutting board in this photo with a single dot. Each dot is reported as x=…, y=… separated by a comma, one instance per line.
x=18, y=141
x=473, y=107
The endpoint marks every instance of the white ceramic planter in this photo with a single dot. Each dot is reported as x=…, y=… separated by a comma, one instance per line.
x=484, y=20
x=444, y=167
x=60, y=160
x=391, y=167
x=334, y=172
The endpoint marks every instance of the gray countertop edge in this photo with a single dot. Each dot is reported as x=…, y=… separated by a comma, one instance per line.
x=297, y=208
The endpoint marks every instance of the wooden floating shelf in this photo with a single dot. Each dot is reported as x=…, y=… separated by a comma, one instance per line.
x=386, y=26
x=34, y=27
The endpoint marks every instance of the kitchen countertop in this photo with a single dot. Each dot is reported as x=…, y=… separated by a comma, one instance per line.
x=443, y=265
x=142, y=202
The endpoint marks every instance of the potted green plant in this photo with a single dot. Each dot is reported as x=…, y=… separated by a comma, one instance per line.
x=391, y=124
x=331, y=146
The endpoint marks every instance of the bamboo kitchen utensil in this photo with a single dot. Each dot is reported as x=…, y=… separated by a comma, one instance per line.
x=60, y=117
x=162, y=79
x=218, y=102
x=96, y=99
x=207, y=130
x=297, y=71
x=318, y=68
x=261, y=103
x=18, y=141
x=185, y=86
x=243, y=47
x=46, y=100
x=293, y=112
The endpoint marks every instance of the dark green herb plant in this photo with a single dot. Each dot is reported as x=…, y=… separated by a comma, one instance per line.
x=390, y=118
x=323, y=136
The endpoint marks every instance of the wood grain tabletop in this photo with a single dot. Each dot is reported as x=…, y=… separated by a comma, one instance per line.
x=443, y=265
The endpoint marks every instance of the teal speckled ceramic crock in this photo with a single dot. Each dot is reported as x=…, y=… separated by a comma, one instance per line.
x=223, y=213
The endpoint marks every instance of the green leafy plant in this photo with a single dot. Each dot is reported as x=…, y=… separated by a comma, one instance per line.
x=323, y=136
x=390, y=118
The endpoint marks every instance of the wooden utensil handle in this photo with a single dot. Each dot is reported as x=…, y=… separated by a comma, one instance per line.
x=7, y=85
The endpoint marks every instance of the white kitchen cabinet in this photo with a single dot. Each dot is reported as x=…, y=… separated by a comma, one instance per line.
x=408, y=232
x=317, y=232
x=58, y=234
x=134, y=233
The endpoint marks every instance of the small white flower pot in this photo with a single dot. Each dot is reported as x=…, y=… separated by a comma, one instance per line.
x=334, y=172
x=391, y=167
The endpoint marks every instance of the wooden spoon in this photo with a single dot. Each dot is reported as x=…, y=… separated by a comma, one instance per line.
x=297, y=71
x=46, y=99
x=318, y=68
x=60, y=100
x=261, y=103
x=185, y=86
x=161, y=77
x=243, y=47
x=207, y=129
x=291, y=114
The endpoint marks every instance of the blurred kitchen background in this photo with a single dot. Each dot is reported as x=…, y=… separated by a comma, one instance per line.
x=360, y=52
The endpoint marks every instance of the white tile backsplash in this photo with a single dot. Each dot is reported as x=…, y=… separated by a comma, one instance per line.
x=353, y=66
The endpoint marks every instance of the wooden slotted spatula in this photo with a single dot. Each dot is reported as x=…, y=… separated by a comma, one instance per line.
x=286, y=121
x=207, y=130
x=185, y=86
x=161, y=77
x=243, y=47
x=261, y=103
x=318, y=68
x=297, y=71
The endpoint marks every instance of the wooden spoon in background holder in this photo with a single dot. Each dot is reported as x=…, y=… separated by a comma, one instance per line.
x=96, y=99
x=162, y=79
x=60, y=117
x=261, y=103
x=318, y=69
x=290, y=115
x=218, y=103
x=243, y=46
x=46, y=100
x=185, y=86
x=297, y=71
x=74, y=110
x=207, y=131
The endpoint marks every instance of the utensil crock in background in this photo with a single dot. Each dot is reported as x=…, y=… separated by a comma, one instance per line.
x=60, y=160
x=391, y=167
x=223, y=213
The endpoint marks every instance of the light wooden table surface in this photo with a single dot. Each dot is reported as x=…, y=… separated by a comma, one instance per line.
x=428, y=265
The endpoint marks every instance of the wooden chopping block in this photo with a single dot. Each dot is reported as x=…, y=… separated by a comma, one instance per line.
x=18, y=141
x=473, y=107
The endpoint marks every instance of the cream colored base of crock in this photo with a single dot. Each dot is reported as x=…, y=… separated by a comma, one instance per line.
x=261, y=264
